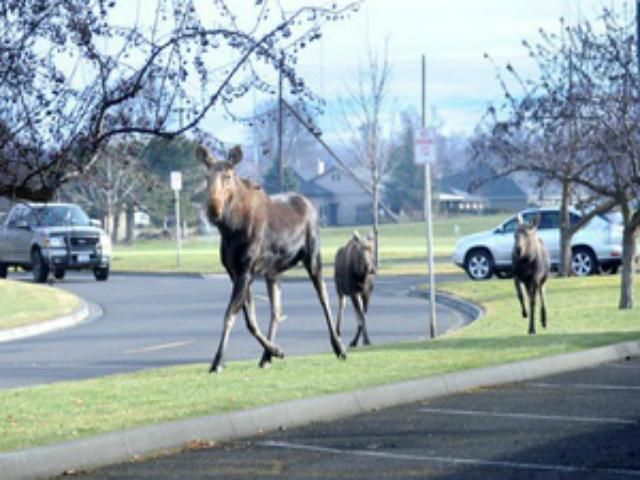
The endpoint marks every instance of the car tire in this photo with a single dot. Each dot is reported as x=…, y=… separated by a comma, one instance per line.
x=3, y=270
x=479, y=264
x=59, y=273
x=583, y=262
x=101, y=274
x=40, y=267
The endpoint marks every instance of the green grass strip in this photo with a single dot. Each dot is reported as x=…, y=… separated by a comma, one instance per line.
x=582, y=314
x=400, y=245
x=25, y=304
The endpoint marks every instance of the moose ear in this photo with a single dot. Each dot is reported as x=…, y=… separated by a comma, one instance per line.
x=536, y=221
x=356, y=236
x=203, y=155
x=519, y=219
x=235, y=155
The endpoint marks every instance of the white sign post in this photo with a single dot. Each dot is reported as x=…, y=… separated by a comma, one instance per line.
x=176, y=186
x=425, y=154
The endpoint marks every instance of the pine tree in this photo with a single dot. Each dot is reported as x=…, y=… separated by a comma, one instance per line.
x=405, y=186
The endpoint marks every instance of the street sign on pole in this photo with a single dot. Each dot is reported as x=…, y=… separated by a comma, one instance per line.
x=176, y=186
x=176, y=181
x=425, y=146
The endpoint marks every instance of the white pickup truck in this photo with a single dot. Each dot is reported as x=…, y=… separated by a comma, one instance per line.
x=53, y=238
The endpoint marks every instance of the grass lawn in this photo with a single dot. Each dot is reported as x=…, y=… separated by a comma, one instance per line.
x=24, y=303
x=403, y=248
x=62, y=411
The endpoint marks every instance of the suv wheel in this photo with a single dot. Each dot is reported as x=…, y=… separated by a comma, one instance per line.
x=101, y=274
x=479, y=264
x=583, y=262
x=40, y=266
x=3, y=270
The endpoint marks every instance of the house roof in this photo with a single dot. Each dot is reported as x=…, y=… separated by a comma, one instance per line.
x=311, y=189
x=502, y=187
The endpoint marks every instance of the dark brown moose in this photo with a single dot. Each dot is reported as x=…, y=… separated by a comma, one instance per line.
x=531, y=269
x=261, y=236
x=354, y=273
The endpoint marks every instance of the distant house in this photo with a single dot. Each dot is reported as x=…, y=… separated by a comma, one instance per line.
x=496, y=195
x=339, y=199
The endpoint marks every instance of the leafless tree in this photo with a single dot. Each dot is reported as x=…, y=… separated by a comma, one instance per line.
x=117, y=184
x=576, y=124
x=366, y=111
x=543, y=128
x=76, y=73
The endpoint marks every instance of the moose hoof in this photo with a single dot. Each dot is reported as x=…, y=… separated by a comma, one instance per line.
x=265, y=364
x=277, y=352
x=532, y=332
x=353, y=344
x=216, y=368
x=341, y=355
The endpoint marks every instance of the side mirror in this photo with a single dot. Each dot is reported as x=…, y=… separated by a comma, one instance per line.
x=23, y=225
x=95, y=223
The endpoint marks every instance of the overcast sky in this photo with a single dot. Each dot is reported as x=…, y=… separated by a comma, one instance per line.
x=453, y=34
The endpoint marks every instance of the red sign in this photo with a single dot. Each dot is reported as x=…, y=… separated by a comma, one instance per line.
x=425, y=146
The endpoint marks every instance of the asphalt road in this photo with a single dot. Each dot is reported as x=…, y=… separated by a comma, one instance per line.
x=154, y=321
x=581, y=425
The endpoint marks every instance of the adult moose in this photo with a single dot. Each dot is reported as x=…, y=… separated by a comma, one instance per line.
x=261, y=235
x=353, y=274
x=531, y=269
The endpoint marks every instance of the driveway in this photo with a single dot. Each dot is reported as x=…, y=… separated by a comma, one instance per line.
x=152, y=321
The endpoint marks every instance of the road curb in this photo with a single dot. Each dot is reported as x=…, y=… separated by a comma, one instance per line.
x=77, y=316
x=121, y=446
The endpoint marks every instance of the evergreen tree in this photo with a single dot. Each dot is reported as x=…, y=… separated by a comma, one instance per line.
x=405, y=185
x=272, y=179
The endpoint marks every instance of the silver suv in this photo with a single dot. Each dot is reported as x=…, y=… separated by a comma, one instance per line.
x=53, y=237
x=595, y=247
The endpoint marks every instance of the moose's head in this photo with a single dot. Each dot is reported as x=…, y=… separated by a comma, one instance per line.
x=366, y=252
x=223, y=179
x=526, y=237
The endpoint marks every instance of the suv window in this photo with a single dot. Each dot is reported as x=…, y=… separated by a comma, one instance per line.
x=510, y=225
x=549, y=220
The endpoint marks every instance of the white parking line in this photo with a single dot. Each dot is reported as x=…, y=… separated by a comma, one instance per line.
x=531, y=416
x=451, y=460
x=586, y=386
x=161, y=346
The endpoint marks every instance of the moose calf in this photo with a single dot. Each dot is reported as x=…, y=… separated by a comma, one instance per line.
x=531, y=269
x=354, y=272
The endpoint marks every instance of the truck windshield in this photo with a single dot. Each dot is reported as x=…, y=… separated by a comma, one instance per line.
x=61, y=216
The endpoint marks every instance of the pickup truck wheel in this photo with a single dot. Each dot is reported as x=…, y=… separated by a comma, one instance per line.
x=40, y=266
x=59, y=273
x=101, y=274
x=3, y=270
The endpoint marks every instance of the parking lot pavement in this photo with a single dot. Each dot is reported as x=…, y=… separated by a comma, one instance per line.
x=584, y=424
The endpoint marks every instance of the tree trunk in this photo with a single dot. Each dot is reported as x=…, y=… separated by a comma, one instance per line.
x=376, y=250
x=115, y=233
x=130, y=224
x=628, y=268
x=564, y=269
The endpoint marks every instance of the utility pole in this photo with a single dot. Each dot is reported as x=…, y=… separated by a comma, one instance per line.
x=427, y=209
